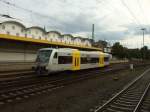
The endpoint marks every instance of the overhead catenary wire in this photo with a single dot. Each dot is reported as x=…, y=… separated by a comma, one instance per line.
x=142, y=11
x=145, y=17
x=131, y=13
x=49, y=18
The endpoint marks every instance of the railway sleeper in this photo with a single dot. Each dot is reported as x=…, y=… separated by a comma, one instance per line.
x=135, y=95
x=111, y=110
x=129, y=100
x=125, y=102
x=143, y=110
x=131, y=93
x=146, y=107
x=120, y=108
x=132, y=98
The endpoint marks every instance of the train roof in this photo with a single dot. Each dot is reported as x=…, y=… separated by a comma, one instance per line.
x=58, y=49
x=71, y=49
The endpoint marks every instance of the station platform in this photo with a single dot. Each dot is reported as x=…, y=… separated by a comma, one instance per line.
x=14, y=50
x=20, y=43
x=15, y=66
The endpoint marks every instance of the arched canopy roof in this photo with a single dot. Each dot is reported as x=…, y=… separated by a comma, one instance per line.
x=54, y=32
x=78, y=38
x=68, y=35
x=14, y=22
x=36, y=27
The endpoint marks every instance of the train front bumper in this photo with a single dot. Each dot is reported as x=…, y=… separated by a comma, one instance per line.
x=41, y=70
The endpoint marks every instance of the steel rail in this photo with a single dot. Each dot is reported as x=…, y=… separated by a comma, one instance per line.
x=12, y=94
x=105, y=105
x=142, y=98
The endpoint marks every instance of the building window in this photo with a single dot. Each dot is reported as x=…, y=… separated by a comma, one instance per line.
x=29, y=32
x=13, y=27
x=36, y=32
x=22, y=30
x=8, y=32
x=25, y=35
x=45, y=38
x=17, y=34
x=32, y=36
x=3, y=27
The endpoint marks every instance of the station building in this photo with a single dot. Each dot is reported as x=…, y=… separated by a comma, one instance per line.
x=19, y=43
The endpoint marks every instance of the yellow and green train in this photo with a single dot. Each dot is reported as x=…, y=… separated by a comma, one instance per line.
x=54, y=60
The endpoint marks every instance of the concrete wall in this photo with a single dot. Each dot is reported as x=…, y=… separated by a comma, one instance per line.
x=17, y=52
x=14, y=57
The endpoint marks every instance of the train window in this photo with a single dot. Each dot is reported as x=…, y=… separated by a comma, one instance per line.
x=55, y=55
x=106, y=59
x=94, y=60
x=64, y=59
x=43, y=56
x=84, y=60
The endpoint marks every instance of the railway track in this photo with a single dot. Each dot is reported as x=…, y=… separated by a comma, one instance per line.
x=144, y=105
x=21, y=88
x=12, y=75
x=11, y=92
x=32, y=78
x=135, y=97
x=25, y=74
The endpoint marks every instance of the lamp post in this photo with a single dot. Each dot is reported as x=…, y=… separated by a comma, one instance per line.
x=93, y=32
x=143, y=30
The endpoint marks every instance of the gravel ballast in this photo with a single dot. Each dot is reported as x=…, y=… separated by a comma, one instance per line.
x=83, y=96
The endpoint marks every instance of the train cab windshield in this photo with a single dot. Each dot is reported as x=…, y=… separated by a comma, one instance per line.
x=43, y=56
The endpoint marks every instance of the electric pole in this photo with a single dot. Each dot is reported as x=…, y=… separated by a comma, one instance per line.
x=93, y=32
x=143, y=30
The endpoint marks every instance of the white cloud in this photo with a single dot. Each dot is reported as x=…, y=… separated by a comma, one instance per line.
x=136, y=41
x=115, y=20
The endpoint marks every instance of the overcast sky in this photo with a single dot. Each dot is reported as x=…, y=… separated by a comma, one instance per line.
x=115, y=20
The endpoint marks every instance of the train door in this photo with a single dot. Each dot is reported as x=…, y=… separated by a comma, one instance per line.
x=101, y=60
x=55, y=58
x=76, y=60
x=55, y=61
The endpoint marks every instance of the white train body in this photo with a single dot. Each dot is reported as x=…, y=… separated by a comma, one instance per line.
x=53, y=60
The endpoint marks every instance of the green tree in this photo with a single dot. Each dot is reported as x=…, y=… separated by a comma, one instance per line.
x=145, y=52
x=118, y=50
